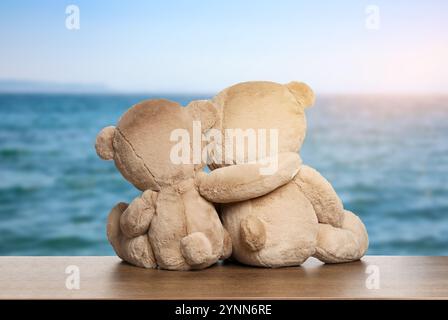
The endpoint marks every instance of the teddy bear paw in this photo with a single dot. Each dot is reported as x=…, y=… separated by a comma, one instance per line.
x=196, y=248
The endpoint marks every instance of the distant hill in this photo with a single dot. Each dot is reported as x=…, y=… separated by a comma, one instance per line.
x=25, y=86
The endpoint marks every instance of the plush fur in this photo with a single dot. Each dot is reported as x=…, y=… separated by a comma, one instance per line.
x=170, y=226
x=281, y=219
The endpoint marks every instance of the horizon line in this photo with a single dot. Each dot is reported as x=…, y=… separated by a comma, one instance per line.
x=29, y=86
x=209, y=94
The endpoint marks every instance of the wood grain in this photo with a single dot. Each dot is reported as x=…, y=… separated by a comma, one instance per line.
x=108, y=278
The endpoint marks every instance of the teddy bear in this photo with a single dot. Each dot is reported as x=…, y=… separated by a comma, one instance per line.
x=170, y=225
x=283, y=218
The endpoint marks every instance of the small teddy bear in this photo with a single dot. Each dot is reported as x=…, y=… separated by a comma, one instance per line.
x=170, y=226
x=283, y=218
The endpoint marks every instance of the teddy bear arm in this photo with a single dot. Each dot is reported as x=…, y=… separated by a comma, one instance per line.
x=325, y=201
x=136, y=250
x=137, y=217
x=247, y=181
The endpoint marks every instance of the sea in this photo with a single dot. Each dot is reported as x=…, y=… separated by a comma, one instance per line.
x=386, y=156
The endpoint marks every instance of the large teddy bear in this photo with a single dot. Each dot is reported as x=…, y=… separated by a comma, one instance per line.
x=170, y=225
x=283, y=218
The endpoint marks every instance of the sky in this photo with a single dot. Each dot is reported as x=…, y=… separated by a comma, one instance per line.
x=196, y=46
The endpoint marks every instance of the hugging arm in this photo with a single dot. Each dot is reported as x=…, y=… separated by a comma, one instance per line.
x=246, y=181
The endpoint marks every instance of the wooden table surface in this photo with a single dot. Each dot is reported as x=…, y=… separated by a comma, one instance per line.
x=108, y=278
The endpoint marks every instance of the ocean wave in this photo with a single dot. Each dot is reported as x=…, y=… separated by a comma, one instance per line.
x=14, y=153
x=23, y=182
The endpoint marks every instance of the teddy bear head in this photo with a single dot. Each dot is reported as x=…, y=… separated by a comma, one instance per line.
x=267, y=105
x=141, y=143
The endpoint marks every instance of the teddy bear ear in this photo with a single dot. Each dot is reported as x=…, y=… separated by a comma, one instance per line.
x=204, y=111
x=302, y=92
x=104, y=143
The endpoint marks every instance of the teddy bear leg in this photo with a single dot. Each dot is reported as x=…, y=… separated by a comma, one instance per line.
x=253, y=233
x=137, y=250
x=348, y=243
x=196, y=249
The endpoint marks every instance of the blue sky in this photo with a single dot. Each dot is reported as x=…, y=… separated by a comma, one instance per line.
x=204, y=46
